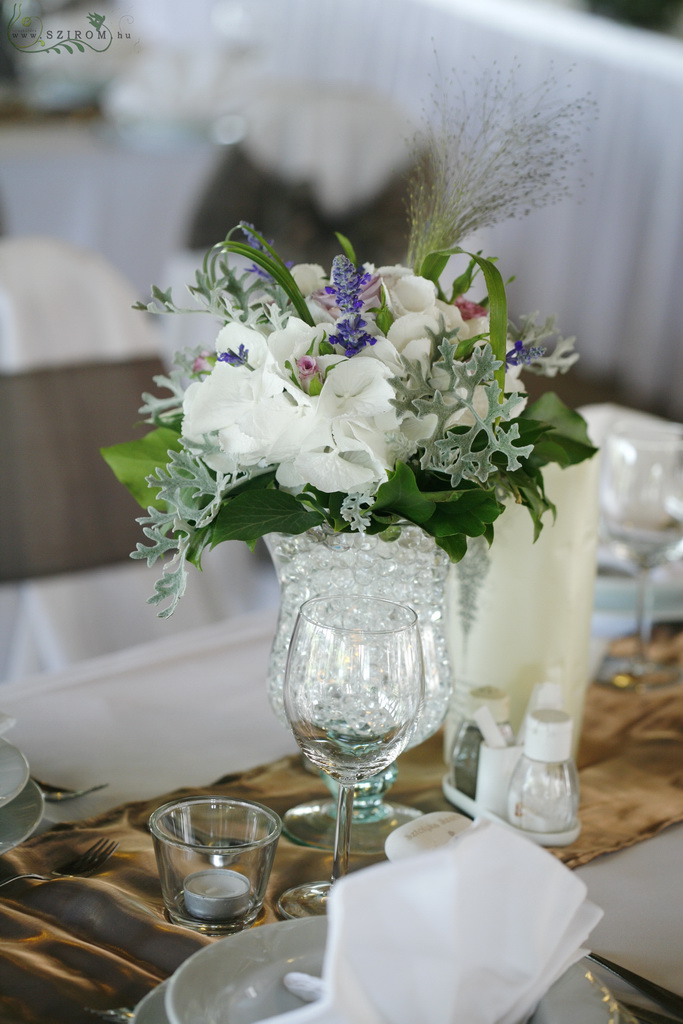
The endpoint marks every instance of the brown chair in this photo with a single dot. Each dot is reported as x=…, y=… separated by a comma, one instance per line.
x=68, y=588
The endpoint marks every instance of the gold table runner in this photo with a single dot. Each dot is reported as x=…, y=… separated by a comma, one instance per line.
x=103, y=941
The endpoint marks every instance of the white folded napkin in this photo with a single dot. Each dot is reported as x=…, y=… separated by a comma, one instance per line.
x=475, y=931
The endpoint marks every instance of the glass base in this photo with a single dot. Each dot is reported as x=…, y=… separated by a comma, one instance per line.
x=638, y=677
x=313, y=824
x=212, y=927
x=307, y=900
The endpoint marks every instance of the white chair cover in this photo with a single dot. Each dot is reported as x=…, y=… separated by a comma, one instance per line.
x=48, y=624
x=63, y=304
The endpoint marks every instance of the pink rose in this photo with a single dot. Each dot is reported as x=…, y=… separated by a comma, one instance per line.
x=470, y=310
x=308, y=370
x=307, y=367
x=202, y=364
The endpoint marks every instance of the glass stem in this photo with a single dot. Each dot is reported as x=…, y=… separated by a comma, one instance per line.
x=342, y=831
x=643, y=621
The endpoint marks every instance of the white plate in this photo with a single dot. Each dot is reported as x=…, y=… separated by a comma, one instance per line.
x=151, y=1010
x=19, y=818
x=13, y=772
x=238, y=980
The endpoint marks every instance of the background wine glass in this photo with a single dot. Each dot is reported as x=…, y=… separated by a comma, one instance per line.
x=354, y=686
x=641, y=496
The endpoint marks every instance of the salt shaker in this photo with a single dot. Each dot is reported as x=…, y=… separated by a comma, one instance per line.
x=464, y=758
x=544, y=788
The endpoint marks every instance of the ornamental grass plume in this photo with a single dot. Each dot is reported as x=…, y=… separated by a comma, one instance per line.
x=494, y=154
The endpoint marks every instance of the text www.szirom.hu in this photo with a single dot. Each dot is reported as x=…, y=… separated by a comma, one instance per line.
x=61, y=34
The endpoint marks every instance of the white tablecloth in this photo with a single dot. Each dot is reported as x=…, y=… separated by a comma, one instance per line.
x=181, y=711
x=185, y=711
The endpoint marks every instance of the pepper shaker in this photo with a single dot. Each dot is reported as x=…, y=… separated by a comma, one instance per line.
x=544, y=788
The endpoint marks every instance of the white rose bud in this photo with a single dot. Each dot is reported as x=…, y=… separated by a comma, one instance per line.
x=411, y=327
x=414, y=294
x=310, y=277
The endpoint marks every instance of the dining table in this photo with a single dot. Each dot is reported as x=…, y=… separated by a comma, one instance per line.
x=190, y=714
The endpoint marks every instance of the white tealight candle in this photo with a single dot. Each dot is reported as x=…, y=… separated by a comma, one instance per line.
x=216, y=894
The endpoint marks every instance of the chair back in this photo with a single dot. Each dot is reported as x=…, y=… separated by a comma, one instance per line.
x=62, y=509
x=62, y=304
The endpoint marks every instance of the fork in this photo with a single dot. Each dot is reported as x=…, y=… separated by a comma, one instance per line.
x=84, y=864
x=119, y=1015
x=53, y=794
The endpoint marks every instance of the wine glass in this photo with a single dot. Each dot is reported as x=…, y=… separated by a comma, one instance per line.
x=641, y=498
x=354, y=686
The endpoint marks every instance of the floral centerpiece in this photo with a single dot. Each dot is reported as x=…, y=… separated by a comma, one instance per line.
x=361, y=397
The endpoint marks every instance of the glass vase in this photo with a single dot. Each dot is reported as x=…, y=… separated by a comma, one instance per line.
x=410, y=569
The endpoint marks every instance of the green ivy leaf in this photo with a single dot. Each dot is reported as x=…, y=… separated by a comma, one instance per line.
x=199, y=540
x=401, y=495
x=454, y=545
x=252, y=514
x=133, y=461
x=468, y=512
x=528, y=489
x=566, y=438
x=530, y=431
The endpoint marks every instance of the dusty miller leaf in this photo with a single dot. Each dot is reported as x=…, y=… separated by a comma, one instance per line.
x=471, y=572
x=161, y=410
x=463, y=453
x=192, y=496
x=556, y=359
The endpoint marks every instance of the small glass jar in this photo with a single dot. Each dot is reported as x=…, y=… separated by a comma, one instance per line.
x=464, y=760
x=544, y=789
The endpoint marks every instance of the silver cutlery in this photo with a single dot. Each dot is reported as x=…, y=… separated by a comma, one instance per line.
x=118, y=1015
x=667, y=1000
x=55, y=794
x=83, y=864
x=644, y=1016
